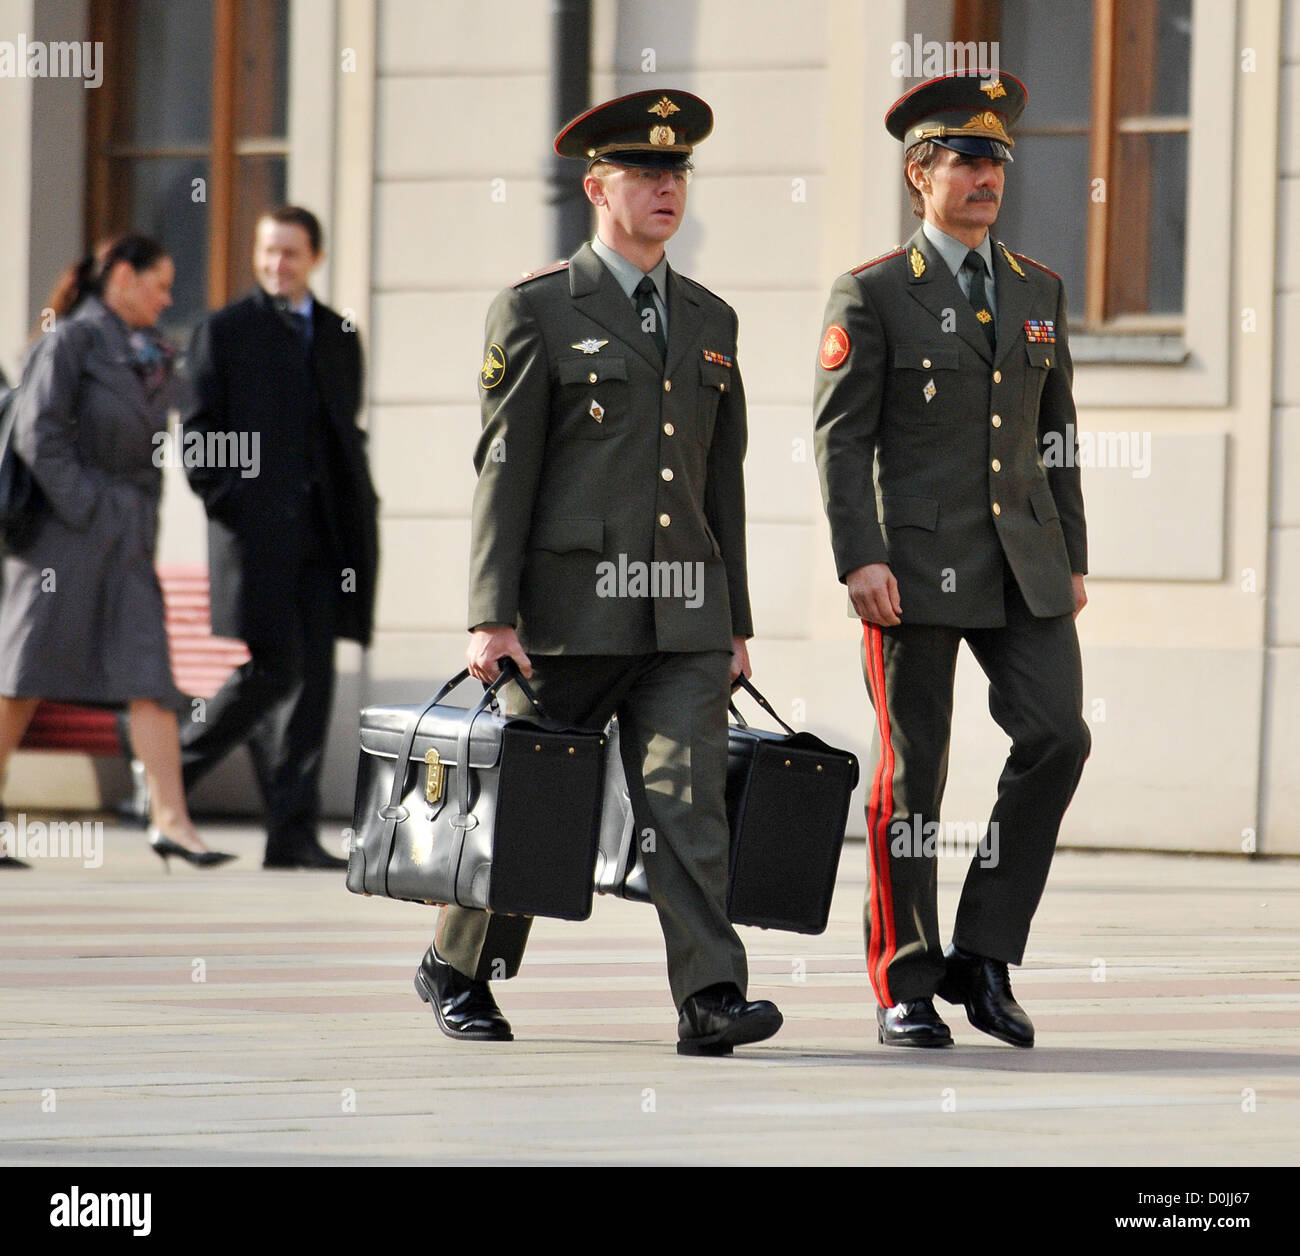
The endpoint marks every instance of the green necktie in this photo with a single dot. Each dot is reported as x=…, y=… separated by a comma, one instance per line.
x=974, y=267
x=648, y=313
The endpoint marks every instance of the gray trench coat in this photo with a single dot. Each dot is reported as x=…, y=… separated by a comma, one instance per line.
x=81, y=614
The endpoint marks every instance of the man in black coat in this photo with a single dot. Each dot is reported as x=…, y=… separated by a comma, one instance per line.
x=270, y=443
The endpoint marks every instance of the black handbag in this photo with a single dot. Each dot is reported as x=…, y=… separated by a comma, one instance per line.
x=477, y=808
x=787, y=806
x=21, y=499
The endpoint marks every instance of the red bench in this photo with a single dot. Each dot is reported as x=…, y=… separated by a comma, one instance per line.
x=200, y=665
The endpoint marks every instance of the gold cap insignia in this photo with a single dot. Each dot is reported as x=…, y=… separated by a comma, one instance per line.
x=494, y=366
x=918, y=262
x=994, y=89
x=986, y=121
x=663, y=107
x=1011, y=261
x=662, y=135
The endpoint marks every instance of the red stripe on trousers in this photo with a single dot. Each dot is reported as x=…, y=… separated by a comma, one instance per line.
x=883, y=943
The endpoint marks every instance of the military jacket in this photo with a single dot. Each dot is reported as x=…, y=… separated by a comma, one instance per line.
x=609, y=513
x=957, y=434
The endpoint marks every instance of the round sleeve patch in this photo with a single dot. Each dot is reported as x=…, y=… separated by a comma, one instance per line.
x=494, y=366
x=835, y=347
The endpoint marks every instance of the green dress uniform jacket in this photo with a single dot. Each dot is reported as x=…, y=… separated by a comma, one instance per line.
x=961, y=475
x=597, y=451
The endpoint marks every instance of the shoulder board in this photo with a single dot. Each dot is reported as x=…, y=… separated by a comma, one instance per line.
x=884, y=257
x=1046, y=269
x=537, y=274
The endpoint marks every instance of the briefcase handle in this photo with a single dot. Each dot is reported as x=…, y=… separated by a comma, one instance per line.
x=744, y=683
x=393, y=813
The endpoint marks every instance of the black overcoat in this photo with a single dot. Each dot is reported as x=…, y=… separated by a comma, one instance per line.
x=248, y=379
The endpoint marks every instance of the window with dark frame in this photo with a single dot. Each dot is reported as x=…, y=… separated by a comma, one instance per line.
x=187, y=138
x=1099, y=186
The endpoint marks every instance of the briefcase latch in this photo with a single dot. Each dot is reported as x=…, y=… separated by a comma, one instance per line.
x=433, y=782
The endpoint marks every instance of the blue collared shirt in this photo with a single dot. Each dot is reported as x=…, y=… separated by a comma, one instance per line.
x=954, y=253
x=629, y=274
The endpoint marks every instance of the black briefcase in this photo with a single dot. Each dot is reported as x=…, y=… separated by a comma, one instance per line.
x=787, y=807
x=787, y=804
x=477, y=808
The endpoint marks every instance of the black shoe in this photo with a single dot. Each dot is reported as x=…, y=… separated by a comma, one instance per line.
x=714, y=1020
x=166, y=848
x=984, y=986
x=310, y=855
x=914, y=1023
x=8, y=861
x=464, y=1007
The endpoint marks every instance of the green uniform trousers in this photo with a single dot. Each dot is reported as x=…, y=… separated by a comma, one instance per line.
x=1036, y=696
x=672, y=713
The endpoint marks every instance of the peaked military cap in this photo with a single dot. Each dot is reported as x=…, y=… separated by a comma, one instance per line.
x=656, y=129
x=969, y=113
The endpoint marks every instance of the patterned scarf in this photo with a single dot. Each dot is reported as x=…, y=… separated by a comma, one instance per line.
x=151, y=359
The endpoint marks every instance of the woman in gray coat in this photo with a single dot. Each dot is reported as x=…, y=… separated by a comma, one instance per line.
x=81, y=615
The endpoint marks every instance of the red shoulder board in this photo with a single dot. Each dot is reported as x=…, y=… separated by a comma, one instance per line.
x=537, y=274
x=1040, y=265
x=884, y=257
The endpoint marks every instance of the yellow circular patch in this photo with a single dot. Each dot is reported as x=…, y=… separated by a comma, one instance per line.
x=494, y=366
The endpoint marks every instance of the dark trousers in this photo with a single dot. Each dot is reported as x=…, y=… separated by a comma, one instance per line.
x=279, y=703
x=672, y=712
x=1036, y=696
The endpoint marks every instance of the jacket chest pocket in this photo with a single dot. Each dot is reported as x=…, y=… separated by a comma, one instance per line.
x=591, y=397
x=715, y=383
x=1041, y=360
x=926, y=377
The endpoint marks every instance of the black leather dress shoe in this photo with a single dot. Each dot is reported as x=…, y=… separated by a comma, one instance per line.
x=8, y=861
x=310, y=856
x=912, y=1024
x=464, y=1007
x=984, y=987
x=714, y=1020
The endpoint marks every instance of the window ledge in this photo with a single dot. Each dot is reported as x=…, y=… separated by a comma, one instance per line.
x=1137, y=350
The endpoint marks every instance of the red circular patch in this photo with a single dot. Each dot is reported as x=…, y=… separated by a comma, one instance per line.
x=835, y=347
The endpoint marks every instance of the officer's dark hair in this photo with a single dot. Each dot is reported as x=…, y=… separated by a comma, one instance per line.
x=925, y=154
x=88, y=276
x=296, y=216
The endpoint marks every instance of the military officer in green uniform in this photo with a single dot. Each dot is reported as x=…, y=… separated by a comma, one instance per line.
x=945, y=363
x=608, y=554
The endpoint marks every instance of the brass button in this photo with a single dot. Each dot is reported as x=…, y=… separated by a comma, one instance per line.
x=667, y=473
x=593, y=377
x=668, y=385
x=1047, y=361
x=997, y=464
x=669, y=429
x=997, y=377
x=997, y=420
x=997, y=510
x=665, y=520
x=925, y=361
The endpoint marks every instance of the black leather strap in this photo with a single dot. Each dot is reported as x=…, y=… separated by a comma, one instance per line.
x=744, y=683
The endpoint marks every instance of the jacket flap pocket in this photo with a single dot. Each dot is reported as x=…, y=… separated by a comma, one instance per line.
x=912, y=512
x=926, y=357
x=561, y=536
x=1044, y=505
x=591, y=369
x=1041, y=355
x=712, y=375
